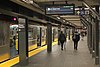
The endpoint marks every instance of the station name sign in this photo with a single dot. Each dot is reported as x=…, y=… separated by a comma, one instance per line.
x=60, y=9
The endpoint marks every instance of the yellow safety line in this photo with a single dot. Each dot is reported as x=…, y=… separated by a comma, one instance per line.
x=43, y=43
x=14, y=61
x=32, y=47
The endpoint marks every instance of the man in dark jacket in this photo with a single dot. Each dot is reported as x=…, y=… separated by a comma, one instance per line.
x=62, y=39
x=76, y=38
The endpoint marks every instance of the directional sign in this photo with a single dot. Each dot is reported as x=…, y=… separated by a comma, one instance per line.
x=60, y=9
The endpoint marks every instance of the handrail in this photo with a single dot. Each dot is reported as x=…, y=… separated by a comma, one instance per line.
x=90, y=8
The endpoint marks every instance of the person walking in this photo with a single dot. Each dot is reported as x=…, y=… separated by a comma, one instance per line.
x=76, y=38
x=62, y=39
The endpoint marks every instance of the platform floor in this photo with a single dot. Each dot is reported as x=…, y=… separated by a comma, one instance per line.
x=66, y=58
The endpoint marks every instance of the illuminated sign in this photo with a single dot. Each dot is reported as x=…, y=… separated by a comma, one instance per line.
x=60, y=9
x=82, y=11
x=14, y=19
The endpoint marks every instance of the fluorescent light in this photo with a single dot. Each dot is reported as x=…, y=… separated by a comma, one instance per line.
x=85, y=27
x=73, y=19
x=64, y=21
x=58, y=17
x=76, y=8
x=67, y=22
x=14, y=26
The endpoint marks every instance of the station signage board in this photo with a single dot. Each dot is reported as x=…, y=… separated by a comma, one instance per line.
x=68, y=9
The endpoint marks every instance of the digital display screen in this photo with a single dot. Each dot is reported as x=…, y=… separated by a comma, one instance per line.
x=60, y=9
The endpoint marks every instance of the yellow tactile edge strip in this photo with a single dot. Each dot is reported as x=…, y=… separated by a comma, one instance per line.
x=14, y=61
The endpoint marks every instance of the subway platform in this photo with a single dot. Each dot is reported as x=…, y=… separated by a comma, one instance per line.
x=66, y=58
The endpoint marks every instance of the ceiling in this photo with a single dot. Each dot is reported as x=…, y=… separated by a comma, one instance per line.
x=75, y=19
x=76, y=2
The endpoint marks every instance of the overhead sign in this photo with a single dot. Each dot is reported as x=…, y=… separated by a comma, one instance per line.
x=60, y=9
x=21, y=23
x=82, y=11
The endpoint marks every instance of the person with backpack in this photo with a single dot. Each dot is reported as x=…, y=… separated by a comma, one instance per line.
x=62, y=39
x=76, y=38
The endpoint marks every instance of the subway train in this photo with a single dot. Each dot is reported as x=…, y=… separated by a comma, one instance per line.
x=36, y=38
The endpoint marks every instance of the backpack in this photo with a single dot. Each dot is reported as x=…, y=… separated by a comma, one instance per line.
x=74, y=37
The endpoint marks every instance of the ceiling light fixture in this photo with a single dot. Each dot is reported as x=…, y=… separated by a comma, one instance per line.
x=58, y=17
x=67, y=22
x=64, y=21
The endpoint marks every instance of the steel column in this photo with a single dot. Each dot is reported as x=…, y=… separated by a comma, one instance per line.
x=23, y=41
x=97, y=37
x=49, y=37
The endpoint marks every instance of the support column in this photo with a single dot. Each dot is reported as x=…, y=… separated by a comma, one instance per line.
x=41, y=36
x=90, y=34
x=53, y=35
x=59, y=30
x=97, y=37
x=97, y=43
x=23, y=41
x=49, y=37
x=69, y=34
x=93, y=39
x=65, y=31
